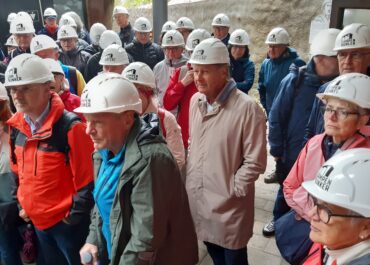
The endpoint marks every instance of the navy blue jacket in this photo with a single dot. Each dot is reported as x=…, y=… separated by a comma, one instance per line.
x=242, y=70
x=290, y=112
x=126, y=35
x=149, y=53
x=44, y=31
x=272, y=72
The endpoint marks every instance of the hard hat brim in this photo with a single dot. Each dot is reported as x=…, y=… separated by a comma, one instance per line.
x=90, y=110
x=322, y=97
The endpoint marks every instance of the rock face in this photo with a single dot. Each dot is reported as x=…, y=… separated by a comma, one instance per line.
x=257, y=17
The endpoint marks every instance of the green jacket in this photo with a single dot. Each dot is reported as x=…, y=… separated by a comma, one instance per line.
x=150, y=220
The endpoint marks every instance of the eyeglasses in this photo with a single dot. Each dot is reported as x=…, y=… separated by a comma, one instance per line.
x=173, y=49
x=340, y=114
x=325, y=213
x=356, y=56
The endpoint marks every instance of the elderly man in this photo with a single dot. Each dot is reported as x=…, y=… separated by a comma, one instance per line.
x=141, y=213
x=220, y=28
x=72, y=54
x=173, y=45
x=45, y=47
x=142, y=49
x=227, y=153
x=55, y=174
x=292, y=107
x=121, y=16
x=273, y=69
x=23, y=30
x=353, y=47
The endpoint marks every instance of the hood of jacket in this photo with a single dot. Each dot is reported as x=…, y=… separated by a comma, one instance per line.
x=148, y=130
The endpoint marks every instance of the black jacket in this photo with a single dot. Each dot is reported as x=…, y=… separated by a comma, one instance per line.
x=126, y=35
x=77, y=58
x=149, y=53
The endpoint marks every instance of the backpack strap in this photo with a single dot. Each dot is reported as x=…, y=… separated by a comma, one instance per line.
x=73, y=78
x=161, y=115
x=13, y=136
x=61, y=128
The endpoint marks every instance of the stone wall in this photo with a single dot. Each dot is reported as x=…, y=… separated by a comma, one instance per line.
x=257, y=17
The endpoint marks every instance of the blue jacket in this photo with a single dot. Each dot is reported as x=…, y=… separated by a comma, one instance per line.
x=291, y=110
x=272, y=72
x=242, y=70
x=315, y=124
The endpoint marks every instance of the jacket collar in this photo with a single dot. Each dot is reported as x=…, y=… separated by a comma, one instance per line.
x=176, y=62
x=56, y=111
x=221, y=99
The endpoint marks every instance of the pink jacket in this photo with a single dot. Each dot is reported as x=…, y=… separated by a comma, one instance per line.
x=306, y=167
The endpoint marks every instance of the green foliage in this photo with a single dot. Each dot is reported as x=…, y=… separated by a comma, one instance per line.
x=133, y=3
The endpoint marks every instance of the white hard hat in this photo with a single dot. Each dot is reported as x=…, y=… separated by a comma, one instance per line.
x=168, y=26
x=109, y=93
x=27, y=69
x=277, y=36
x=22, y=25
x=173, y=38
x=54, y=66
x=3, y=93
x=11, y=41
x=344, y=181
x=142, y=24
x=42, y=42
x=140, y=73
x=66, y=32
x=195, y=37
x=67, y=20
x=353, y=36
x=323, y=43
x=352, y=87
x=96, y=31
x=114, y=54
x=11, y=16
x=184, y=23
x=109, y=37
x=120, y=10
x=239, y=37
x=221, y=20
x=50, y=12
x=25, y=15
x=210, y=51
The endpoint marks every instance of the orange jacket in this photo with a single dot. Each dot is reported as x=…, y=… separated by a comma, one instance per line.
x=49, y=188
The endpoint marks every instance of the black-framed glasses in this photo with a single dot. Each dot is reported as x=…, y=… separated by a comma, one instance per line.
x=324, y=213
x=356, y=56
x=340, y=114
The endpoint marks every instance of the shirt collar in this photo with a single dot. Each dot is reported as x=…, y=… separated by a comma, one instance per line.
x=35, y=126
x=108, y=157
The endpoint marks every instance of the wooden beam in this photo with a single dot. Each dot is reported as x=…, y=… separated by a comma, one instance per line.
x=99, y=11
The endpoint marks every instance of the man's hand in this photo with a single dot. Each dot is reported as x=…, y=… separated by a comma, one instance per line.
x=92, y=250
x=24, y=216
x=188, y=78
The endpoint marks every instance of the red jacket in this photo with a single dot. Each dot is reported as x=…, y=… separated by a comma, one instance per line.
x=177, y=95
x=71, y=102
x=49, y=188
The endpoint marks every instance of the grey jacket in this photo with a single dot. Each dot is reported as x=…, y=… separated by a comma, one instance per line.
x=150, y=220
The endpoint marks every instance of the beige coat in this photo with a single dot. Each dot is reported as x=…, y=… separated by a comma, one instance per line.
x=227, y=153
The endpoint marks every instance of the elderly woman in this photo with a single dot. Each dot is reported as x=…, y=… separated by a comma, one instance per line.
x=346, y=111
x=340, y=218
x=143, y=78
x=9, y=235
x=242, y=68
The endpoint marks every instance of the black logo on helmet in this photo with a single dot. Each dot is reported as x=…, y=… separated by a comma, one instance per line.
x=109, y=57
x=181, y=23
x=322, y=179
x=20, y=27
x=199, y=55
x=12, y=75
x=348, y=40
x=38, y=46
x=169, y=39
x=272, y=38
x=85, y=100
x=218, y=20
x=143, y=26
x=131, y=75
x=335, y=88
x=238, y=39
x=195, y=42
x=63, y=33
